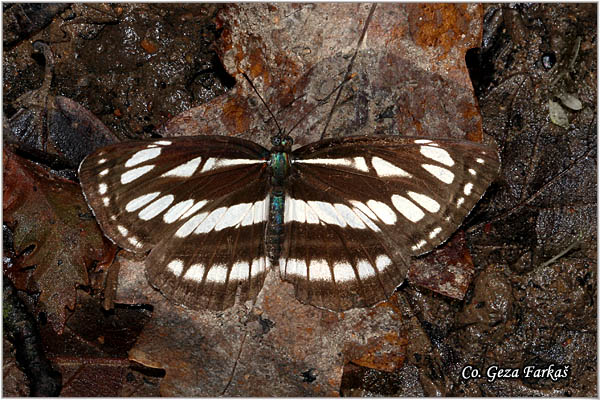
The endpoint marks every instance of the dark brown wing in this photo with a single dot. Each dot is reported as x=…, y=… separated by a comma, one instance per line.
x=357, y=208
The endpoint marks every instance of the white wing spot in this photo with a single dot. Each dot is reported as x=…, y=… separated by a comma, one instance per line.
x=177, y=211
x=295, y=267
x=141, y=201
x=468, y=188
x=480, y=160
x=142, y=156
x=233, y=216
x=343, y=272
x=101, y=161
x=104, y=172
x=256, y=213
x=326, y=213
x=102, y=188
x=419, y=245
x=386, y=168
x=295, y=210
x=425, y=201
x=472, y=171
x=460, y=202
x=208, y=165
x=435, y=232
x=210, y=221
x=184, y=170
x=365, y=214
x=382, y=262
x=360, y=164
x=363, y=207
x=195, y=208
x=349, y=216
x=195, y=273
x=214, y=163
x=407, y=208
x=164, y=142
x=365, y=269
x=258, y=266
x=189, y=226
x=383, y=212
x=106, y=201
x=217, y=273
x=156, y=207
x=240, y=271
x=356, y=163
x=319, y=270
x=122, y=230
x=437, y=154
x=261, y=210
x=440, y=173
x=422, y=141
x=133, y=174
x=176, y=267
x=134, y=242
x=300, y=268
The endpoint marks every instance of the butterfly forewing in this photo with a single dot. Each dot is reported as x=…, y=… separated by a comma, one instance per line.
x=357, y=208
x=174, y=196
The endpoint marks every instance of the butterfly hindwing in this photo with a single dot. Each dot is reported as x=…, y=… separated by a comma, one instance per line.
x=357, y=208
x=173, y=196
x=220, y=259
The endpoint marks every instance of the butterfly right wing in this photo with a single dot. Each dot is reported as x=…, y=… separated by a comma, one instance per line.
x=357, y=208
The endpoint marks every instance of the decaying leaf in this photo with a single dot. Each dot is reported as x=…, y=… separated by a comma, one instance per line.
x=408, y=79
x=570, y=101
x=558, y=116
x=57, y=124
x=53, y=233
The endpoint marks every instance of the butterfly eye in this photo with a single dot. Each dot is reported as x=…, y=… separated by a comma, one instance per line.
x=276, y=140
x=287, y=141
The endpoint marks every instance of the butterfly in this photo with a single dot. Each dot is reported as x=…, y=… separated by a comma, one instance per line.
x=339, y=217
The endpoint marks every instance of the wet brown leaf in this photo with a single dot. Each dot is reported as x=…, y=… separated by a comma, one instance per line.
x=53, y=236
x=91, y=353
x=57, y=124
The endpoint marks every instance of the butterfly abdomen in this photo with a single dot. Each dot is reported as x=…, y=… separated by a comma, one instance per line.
x=274, y=234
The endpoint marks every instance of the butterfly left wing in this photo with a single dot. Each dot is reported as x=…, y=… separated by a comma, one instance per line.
x=357, y=208
x=199, y=204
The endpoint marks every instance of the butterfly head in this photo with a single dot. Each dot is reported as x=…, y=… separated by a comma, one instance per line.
x=282, y=143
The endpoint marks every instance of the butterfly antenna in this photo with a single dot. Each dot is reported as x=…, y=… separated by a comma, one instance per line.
x=263, y=101
x=349, y=71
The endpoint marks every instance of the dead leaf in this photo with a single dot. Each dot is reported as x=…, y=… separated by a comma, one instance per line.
x=57, y=124
x=53, y=232
x=91, y=354
x=447, y=270
x=296, y=55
